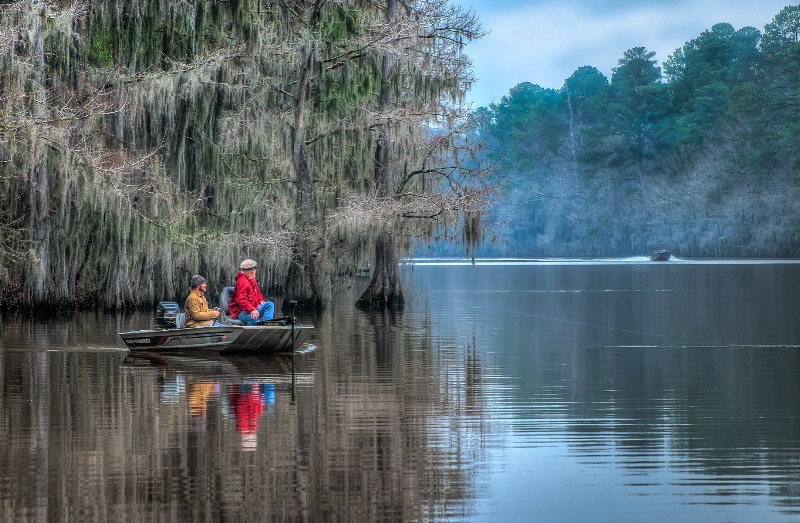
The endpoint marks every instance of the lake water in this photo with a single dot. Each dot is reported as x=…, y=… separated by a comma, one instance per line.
x=563, y=391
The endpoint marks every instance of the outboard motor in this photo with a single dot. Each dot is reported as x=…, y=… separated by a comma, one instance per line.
x=167, y=314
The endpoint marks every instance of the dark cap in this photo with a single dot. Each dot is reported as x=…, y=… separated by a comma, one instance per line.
x=196, y=281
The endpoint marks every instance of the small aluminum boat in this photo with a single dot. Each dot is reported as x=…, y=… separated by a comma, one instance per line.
x=272, y=336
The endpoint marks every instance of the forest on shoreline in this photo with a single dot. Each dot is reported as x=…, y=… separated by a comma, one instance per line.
x=143, y=142
x=699, y=155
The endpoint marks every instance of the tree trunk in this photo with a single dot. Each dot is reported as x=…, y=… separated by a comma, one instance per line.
x=384, y=291
x=301, y=280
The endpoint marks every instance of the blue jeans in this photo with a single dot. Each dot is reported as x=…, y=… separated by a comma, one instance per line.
x=265, y=312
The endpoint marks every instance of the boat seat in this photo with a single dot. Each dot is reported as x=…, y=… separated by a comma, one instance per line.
x=180, y=318
x=225, y=307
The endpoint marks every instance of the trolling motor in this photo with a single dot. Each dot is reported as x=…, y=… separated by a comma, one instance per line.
x=167, y=314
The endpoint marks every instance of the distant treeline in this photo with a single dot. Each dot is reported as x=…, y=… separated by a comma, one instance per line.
x=700, y=155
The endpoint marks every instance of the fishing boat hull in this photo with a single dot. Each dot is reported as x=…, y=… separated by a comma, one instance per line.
x=269, y=338
x=262, y=339
x=662, y=255
x=212, y=338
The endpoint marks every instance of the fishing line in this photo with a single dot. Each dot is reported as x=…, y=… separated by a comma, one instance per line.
x=541, y=317
x=356, y=281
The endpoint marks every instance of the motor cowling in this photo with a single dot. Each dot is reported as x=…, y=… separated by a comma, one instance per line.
x=167, y=314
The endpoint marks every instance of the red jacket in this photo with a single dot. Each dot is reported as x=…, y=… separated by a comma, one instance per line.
x=246, y=295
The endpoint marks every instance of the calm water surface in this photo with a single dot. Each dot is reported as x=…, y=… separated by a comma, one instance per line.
x=615, y=390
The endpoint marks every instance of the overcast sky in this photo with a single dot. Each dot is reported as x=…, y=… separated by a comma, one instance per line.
x=544, y=41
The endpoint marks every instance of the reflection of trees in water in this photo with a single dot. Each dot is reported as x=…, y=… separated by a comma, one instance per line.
x=725, y=414
x=390, y=427
x=408, y=434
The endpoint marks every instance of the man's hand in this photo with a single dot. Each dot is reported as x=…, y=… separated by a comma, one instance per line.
x=215, y=312
x=254, y=314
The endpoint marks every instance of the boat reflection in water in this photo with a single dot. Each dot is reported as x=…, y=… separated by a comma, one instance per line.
x=243, y=388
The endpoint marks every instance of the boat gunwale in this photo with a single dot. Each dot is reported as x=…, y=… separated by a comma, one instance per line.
x=234, y=331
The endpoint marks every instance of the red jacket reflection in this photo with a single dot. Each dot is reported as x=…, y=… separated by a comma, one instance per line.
x=247, y=408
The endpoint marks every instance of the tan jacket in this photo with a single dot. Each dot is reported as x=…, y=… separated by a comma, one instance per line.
x=197, y=313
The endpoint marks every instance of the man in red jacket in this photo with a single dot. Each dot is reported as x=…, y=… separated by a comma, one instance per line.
x=247, y=303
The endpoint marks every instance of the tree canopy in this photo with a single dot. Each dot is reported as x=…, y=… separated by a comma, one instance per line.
x=144, y=142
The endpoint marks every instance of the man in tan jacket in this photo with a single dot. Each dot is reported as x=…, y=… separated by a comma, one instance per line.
x=196, y=306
